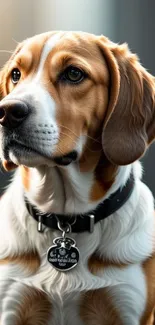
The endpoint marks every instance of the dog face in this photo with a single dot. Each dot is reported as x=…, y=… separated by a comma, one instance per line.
x=54, y=83
x=68, y=96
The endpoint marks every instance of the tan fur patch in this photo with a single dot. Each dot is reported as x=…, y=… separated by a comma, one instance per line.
x=105, y=174
x=96, y=264
x=30, y=261
x=90, y=156
x=25, y=173
x=93, y=159
x=96, y=308
x=149, y=271
x=35, y=308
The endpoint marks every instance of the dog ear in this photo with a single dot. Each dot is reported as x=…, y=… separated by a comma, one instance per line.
x=129, y=125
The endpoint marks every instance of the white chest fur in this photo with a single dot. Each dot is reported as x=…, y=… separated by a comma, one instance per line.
x=126, y=236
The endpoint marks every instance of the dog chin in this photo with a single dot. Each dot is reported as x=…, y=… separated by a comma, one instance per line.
x=17, y=154
x=30, y=159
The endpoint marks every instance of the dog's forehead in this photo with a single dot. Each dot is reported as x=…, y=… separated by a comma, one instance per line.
x=43, y=44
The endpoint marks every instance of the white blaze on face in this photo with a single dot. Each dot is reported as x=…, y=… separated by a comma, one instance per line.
x=48, y=47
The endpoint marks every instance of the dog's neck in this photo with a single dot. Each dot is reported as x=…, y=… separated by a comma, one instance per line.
x=65, y=190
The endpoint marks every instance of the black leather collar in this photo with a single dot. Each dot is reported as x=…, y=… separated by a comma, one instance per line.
x=85, y=222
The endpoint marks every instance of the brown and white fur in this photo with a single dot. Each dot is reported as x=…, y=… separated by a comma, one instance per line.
x=109, y=119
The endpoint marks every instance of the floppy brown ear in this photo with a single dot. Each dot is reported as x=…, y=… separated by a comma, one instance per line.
x=129, y=124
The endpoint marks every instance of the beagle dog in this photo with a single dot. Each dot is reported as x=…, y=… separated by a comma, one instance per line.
x=77, y=224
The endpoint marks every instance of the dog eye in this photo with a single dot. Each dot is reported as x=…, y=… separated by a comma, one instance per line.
x=15, y=75
x=73, y=75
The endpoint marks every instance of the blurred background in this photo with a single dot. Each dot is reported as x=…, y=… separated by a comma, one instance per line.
x=122, y=21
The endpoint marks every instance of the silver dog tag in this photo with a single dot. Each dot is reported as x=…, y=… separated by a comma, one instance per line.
x=63, y=255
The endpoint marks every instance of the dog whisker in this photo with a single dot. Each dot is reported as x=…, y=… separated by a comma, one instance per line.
x=6, y=51
x=14, y=40
x=88, y=136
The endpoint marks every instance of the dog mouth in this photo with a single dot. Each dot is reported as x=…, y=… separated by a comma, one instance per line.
x=16, y=153
x=66, y=159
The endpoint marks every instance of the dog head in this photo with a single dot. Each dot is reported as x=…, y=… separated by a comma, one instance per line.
x=74, y=96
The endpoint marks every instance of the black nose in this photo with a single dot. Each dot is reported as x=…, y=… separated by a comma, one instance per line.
x=13, y=113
